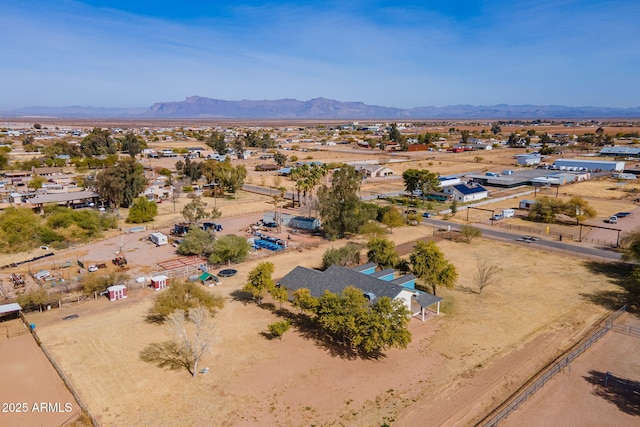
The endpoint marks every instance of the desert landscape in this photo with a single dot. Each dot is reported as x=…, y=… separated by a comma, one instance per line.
x=459, y=366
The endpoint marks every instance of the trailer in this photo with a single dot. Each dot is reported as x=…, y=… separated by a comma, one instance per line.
x=508, y=213
x=159, y=238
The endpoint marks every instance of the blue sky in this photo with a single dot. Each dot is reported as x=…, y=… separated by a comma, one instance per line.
x=402, y=54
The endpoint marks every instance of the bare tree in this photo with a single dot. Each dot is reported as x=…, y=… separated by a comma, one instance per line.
x=487, y=273
x=196, y=344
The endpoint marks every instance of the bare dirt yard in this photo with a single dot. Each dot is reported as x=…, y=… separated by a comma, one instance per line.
x=458, y=366
x=32, y=393
x=594, y=398
x=539, y=306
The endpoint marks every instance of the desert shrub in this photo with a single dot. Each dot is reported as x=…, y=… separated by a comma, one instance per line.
x=278, y=329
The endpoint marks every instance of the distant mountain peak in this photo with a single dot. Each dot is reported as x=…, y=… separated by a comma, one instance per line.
x=320, y=108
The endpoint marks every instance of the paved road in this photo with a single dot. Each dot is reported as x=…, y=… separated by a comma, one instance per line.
x=502, y=235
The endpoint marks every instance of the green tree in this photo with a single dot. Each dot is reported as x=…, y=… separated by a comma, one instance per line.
x=96, y=283
x=454, y=207
x=259, y=281
x=362, y=325
x=280, y=159
x=429, y=264
x=36, y=183
x=394, y=133
x=33, y=300
x=122, y=183
x=230, y=248
x=340, y=206
x=464, y=135
x=347, y=255
x=496, y=129
x=132, y=145
x=546, y=209
x=579, y=209
x=420, y=179
x=383, y=253
x=195, y=210
x=217, y=142
x=185, y=296
x=196, y=242
x=279, y=294
x=98, y=143
x=393, y=218
x=372, y=229
x=304, y=301
x=143, y=210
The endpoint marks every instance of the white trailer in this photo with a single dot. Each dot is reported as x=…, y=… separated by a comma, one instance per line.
x=159, y=239
x=508, y=213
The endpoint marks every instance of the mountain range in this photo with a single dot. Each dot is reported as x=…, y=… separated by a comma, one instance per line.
x=197, y=107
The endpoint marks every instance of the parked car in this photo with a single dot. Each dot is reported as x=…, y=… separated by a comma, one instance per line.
x=271, y=224
x=427, y=215
x=92, y=268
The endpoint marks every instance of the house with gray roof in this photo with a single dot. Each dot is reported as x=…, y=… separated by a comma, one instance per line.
x=374, y=284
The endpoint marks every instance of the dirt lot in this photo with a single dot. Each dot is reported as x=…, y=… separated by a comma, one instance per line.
x=297, y=381
x=458, y=366
x=582, y=388
x=32, y=393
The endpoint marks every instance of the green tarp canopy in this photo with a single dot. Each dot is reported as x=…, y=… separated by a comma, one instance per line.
x=207, y=276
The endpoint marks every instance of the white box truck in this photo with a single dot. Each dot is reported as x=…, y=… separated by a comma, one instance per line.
x=159, y=239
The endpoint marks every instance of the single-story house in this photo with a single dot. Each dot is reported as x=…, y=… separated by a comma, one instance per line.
x=373, y=171
x=374, y=284
x=265, y=167
x=467, y=192
x=47, y=171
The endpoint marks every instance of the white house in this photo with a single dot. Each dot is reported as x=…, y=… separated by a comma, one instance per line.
x=373, y=171
x=467, y=192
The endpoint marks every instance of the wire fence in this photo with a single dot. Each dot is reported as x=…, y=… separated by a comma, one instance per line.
x=627, y=330
x=520, y=396
x=60, y=372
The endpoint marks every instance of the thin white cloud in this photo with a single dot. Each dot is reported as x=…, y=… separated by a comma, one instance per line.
x=405, y=56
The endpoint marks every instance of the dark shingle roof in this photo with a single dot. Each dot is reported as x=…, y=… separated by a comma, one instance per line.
x=366, y=266
x=335, y=279
x=403, y=279
x=425, y=300
x=383, y=273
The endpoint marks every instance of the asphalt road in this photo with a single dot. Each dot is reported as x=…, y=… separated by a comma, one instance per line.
x=492, y=233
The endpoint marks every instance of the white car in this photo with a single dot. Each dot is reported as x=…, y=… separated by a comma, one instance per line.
x=92, y=268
